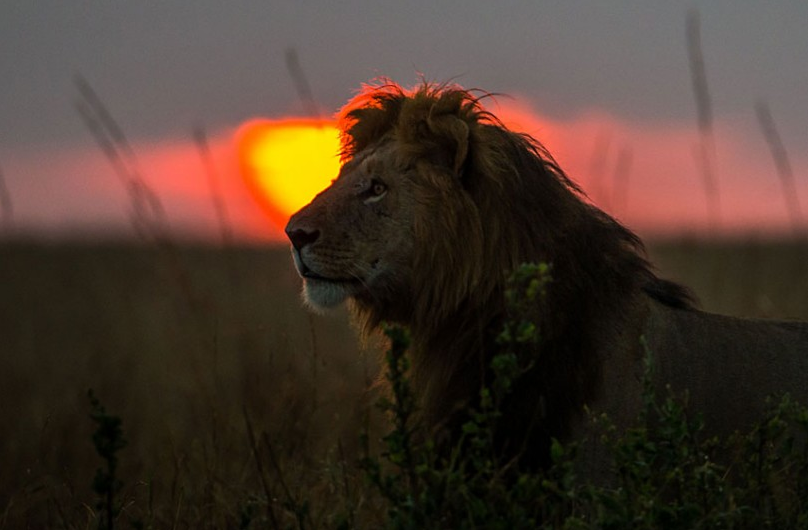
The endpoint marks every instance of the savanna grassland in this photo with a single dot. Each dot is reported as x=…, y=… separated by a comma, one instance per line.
x=229, y=392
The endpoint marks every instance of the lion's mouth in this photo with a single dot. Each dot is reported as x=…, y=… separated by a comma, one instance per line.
x=311, y=275
x=306, y=272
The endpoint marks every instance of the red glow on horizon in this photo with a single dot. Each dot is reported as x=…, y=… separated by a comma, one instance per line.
x=643, y=173
x=286, y=162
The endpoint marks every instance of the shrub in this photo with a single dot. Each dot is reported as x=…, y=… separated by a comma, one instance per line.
x=666, y=475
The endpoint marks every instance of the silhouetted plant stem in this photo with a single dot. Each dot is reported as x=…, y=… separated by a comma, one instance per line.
x=261, y=474
x=6, y=205
x=782, y=163
x=108, y=440
x=302, y=85
x=148, y=214
x=705, y=152
x=214, y=185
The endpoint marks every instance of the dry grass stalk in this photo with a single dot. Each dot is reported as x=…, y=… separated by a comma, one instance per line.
x=302, y=85
x=782, y=163
x=622, y=171
x=148, y=213
x=219, y=206
x=705, y=153
x=6, y=205
x=261, y=474
x=597, y=169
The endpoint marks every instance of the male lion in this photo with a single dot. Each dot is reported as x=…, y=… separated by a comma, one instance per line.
x=437, y=203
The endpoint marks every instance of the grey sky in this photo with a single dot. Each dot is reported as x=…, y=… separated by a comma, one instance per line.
x=590, y=69
x=164, y=66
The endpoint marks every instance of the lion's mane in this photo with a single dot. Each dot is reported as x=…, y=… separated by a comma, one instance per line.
x=516, y=206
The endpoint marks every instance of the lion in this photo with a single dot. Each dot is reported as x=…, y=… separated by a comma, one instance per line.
x=437, y=202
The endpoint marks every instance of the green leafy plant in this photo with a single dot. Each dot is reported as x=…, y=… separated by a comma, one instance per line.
x=666, y=473
x=470, y=487
x=108, y=440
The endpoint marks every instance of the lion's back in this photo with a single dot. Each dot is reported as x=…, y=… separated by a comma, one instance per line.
x=728, y=366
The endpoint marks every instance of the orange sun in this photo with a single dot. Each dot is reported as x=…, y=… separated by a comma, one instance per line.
x=287, y=162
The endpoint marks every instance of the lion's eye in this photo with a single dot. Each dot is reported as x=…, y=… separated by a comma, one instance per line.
x=375, y=191
x=377, y=188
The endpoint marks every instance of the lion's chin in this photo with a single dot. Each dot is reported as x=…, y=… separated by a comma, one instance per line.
x=321, y=295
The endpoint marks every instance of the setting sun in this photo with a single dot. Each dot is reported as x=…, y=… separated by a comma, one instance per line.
x=287, y=162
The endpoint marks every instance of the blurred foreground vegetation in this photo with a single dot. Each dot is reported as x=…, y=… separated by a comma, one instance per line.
x=238, y=407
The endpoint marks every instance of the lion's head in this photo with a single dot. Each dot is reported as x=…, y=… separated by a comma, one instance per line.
x=430, y=210
x=436, y=203
x=356, y=238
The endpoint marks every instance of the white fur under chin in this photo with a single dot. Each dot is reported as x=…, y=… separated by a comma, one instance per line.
x=320, y=295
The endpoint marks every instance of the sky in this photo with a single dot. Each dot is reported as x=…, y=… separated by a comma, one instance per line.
x=605, y=85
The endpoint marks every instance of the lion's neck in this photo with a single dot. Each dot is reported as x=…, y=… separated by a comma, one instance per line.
x=452, y=356
x=450, y=360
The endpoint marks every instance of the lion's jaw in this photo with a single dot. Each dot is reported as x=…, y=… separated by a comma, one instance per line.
x=320, y=292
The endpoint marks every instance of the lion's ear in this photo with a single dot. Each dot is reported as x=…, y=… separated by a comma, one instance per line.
x=452, y=136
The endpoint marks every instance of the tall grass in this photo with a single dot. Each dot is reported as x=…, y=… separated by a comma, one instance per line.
x=188, y=391
x=180, y=376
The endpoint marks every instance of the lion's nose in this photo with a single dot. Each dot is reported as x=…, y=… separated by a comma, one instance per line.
x=300, y=238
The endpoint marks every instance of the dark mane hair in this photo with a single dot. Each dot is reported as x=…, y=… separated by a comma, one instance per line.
x=507, y=202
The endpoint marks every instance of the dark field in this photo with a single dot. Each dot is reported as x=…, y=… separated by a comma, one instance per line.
x=190, y=346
